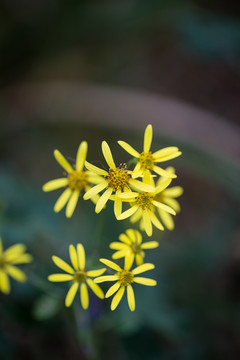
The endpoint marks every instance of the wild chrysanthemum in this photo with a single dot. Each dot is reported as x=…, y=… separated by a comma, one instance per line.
x=114, y=181
x=147, y=160
x=131, y=245
x=143, y=207
x=78, y=276
x=14, y=255
x=167, y=197
x=76, y=181
x=124, y=279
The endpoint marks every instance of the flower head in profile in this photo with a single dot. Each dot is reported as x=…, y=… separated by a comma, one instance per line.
x=78, y=276
x=147, y=161
x=143, y=207
x=12, y=256
x=75, y=182
x=113, y=182
x=124, y=279
x=168, y=197
x=130, y=244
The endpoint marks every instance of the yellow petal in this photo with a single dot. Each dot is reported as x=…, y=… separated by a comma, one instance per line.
x=118, y=246
x=175, y=191
x=117, y=298
x=150, y=245
x=119, y=254
x=166, y=219
x=113, y=289
x=164, y=207
x=117, y=204
x=129, y=258
x=95, y=288
x=22, y=259
x=168, y=157
x=103, y=199
x=63, y=265
x=95, y=190
x=128, y=212
x=140, y=186
x=139, y=237
x=73, y=257
x=81, y=155
x=93, y=273
x=62, y=200
x=4, y=283
x=110, y=264
x=155, y=220
x=16, y=273
x=108, y=155
x=60, y=277
x=162, y=186
x=81, y=256
x=14, y=250
x=124, y=239
x=106, y=278
x=139, y=259
x=164, y=173
x=129, y=148
x=62, y=161
x=55, y=184
x=147, y=138
x=95, y=169
x=131, y=234
x=174, y=204
x=72, y=203
x=145, y=281
x=142, y=268
x=84, y=296
x=165, y=152
x=130, y=298
x=147, y=223
x=137, y=216
x=71, y=294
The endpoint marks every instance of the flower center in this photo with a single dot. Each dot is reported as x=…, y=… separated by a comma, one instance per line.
x=136, y=248
x=146, y=161
x=144, y=200
x=2, y=262
x=79, y=277
x=125, y=277
x=77, y=180
x=118, y=178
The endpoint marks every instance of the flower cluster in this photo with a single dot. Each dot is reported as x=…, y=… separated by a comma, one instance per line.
x=144, y=189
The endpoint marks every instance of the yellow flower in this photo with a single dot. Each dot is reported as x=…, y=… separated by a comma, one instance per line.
x=147, y=160
x=75, y=181
x=167, y=197
x=14, y=255
x=78, y=276
x=124, y=279
x=116, y=180
x=131, y=245
x=143, y=207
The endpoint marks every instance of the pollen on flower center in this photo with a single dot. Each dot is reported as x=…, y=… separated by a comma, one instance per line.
x=144, y=200
x=77, y=180
x=146, y=161
x=118, y=178
x=136, y=248
x=125, y=277
x=80, y=277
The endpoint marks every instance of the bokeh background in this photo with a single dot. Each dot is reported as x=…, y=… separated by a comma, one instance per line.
x=102, y=70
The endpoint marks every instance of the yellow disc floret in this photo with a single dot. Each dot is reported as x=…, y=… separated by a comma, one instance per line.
x=77, y=180
x=144, y=200
x=118, y=178
x=146, y=161
x=125, y=277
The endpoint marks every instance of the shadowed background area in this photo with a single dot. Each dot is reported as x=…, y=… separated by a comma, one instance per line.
x=103, y=70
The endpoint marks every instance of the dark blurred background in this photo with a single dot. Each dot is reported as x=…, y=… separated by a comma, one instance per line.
x=102, y=70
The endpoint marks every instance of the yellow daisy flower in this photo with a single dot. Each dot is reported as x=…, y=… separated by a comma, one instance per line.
x=168, y=197
x=147, y=160
x=116, y=180
x=75, y=181
x=131, y=245
x=124, y=279
x=143, y=207
x=78, y=276
x=14, y=255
